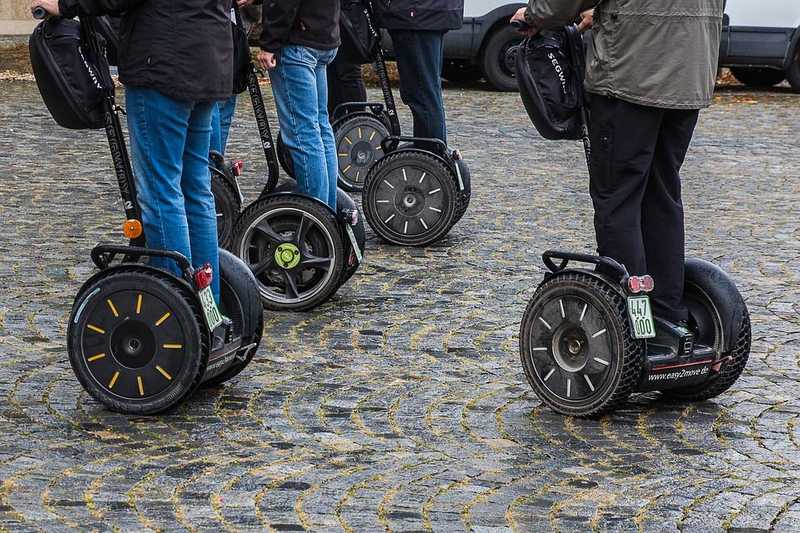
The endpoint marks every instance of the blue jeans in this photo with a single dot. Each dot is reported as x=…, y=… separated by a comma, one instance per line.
x=419, y=57
x=300, y=87
x=221, y=118
x=169, y=144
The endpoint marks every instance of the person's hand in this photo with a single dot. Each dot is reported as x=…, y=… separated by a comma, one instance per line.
x=243, y=3
x=520, y=16
x=267, y=60
x=51, y=6
x=587, y=19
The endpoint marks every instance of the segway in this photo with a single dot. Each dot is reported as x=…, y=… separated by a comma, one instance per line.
x=140, y=339
x=299, y=250
x=588, y=338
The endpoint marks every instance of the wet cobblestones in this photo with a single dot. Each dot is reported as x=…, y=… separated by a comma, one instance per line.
x=401, y=404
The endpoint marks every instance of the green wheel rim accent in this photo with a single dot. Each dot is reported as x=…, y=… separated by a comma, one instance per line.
x=287, y=256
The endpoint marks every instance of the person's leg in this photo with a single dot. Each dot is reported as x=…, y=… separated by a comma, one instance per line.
x=662, y=214
x=294, y=85
x=326, y=131
x=623, y=139
x=419, y=60
x=221, y=119
x=196, y=186
x=158, y=128
x=345, y=83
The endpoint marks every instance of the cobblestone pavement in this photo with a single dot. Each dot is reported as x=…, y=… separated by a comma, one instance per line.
x=401, y=404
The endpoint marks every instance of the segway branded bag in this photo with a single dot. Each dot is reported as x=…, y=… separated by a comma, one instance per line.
x=360, y=38
x=72, y=78
x=550, y=72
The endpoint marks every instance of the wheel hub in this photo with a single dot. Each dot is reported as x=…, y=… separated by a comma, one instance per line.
x=287, y=255
x=133, y=344
x=570, y=347
x=362, y=154
x=411, y=201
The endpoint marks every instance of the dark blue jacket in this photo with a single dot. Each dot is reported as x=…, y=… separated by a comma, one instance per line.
x=437, y=15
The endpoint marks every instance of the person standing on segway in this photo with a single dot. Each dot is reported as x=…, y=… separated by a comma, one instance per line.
x=417, y=30
x=298, y=42
x=653, y=69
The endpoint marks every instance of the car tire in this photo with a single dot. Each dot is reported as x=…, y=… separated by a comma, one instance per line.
x=498, y=58
x=758, y=77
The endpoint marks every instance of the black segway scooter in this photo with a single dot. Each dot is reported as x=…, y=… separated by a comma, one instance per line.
x=588, y=338
x=140, y=339
x=299, y=250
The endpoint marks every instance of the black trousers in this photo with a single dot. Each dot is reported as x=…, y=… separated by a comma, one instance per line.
x=637, y=154
x=345, y=83
x=420, y=55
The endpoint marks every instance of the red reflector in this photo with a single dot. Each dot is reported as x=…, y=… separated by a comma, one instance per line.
x=238, y=167
x=634, y=284
x=647, y=283
x=203, y=277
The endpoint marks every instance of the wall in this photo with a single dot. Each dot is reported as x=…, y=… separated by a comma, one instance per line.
x=15, y=17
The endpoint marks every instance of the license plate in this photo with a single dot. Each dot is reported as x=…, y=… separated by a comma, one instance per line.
x=210, y=309
x=354, y=242
x=641, y=317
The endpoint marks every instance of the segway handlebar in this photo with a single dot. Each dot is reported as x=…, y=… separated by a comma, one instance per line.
x=566, y=257
x=39, y=13
x=103, y=254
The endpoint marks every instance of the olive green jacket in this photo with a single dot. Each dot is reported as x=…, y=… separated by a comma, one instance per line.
x=658, y=53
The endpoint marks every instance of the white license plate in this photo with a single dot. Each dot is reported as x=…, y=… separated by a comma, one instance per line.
x=641, y=317
x=210, y=309
x=354, y=242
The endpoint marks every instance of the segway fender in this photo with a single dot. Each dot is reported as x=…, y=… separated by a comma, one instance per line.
x=614, y=285
x=721, y=290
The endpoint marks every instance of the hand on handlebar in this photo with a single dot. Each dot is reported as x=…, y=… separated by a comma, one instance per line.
x=43, y=8
x=521, y=24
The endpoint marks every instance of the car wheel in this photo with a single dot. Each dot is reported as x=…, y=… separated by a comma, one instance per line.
x=758, y=77
x=499, y=58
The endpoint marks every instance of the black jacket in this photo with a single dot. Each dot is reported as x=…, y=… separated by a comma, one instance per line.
x=181, y=48
x=312, y=23
x=437, y=15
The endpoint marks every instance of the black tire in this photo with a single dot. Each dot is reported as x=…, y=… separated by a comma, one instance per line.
x=126, y=327
x=793, y=72
x=758, y=77
x=464, y=196
x=460, y=71
x=228, y=205
x=290, y=224
x=241, y=303
x=575, y=309
x=498, y=58
x=410, y=190
x=358, y=147
x=284, y=157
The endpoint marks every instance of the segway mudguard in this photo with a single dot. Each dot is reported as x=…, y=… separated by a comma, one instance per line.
x=450, y=159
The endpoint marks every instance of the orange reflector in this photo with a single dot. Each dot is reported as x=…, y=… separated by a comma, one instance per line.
x=132, y=229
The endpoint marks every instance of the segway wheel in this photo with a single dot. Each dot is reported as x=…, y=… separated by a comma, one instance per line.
x=576, y=345
x=464, y=196
x=137, y=341
x=294, y=248
x=410, y=198
x=227, y=205
x=358, y=147
x=239, y=301
x=284, y=156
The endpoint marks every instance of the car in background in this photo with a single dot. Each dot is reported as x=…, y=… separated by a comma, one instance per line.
x=761, y=42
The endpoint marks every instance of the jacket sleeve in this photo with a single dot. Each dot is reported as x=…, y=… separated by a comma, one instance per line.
x=553, y=14
x=74, y=8
x=278, y=18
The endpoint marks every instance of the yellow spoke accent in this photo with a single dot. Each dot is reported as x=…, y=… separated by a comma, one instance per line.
x=348, y=140
x=347, y=168
x=164, y=372
x=173, y=346
x=344, y=155
x=95, y=357
x=141, y=387
x=113, y=309
x=379, y=148
x=138, y=304
x=113, y=380
x=374, y=133
x=96, y=329
x=359, y=134
x=163, y=318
